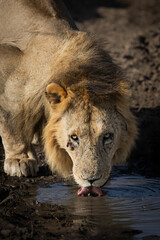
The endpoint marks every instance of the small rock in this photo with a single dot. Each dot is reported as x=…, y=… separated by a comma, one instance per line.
x=5, y=232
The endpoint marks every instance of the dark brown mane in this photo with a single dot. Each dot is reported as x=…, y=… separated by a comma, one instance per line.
x=95, y=75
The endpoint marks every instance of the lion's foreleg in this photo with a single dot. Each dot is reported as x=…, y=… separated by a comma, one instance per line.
x=19, y=158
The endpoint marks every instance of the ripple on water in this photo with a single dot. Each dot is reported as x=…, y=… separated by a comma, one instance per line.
x=130, y=202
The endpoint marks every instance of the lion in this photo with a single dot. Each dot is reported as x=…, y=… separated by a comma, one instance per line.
x=58, y=83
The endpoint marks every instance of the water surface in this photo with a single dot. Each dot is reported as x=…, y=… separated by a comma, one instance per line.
x=129, y=210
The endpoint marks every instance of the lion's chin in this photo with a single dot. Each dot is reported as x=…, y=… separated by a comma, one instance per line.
x=94, y=191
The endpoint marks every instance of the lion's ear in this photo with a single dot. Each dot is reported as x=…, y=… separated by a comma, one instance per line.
x=55, y=93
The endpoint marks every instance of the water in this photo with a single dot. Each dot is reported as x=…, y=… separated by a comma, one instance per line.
x=129, y=210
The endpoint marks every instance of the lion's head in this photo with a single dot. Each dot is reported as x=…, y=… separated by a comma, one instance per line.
x=90, y=126
x=86, y=135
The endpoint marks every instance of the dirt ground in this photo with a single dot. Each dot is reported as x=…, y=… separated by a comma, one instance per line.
x=130, y=31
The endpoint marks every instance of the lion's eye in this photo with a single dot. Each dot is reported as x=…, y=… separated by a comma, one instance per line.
x=74, y=137
x=108, y=138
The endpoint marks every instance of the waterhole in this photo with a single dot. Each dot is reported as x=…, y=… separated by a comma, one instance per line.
x=129, y=210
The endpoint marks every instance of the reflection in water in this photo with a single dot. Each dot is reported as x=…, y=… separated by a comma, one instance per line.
x=129, y=210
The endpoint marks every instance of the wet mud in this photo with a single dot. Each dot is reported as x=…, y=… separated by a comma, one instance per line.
x=130, y=30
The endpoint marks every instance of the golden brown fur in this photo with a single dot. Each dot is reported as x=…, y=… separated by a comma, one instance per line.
x=86, y=95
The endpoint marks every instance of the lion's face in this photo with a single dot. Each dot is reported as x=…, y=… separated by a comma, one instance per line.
x=91, y=137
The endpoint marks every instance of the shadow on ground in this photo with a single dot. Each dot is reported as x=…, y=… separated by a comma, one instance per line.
x=145, y=158
x=87, y=9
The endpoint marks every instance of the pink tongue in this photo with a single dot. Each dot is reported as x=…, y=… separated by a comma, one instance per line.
x=90, y=190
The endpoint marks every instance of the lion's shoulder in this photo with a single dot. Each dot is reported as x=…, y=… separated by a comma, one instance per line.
x=21, y=19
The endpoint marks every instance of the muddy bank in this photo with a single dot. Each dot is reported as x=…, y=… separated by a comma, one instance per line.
x=130, y=30
x=22, y=217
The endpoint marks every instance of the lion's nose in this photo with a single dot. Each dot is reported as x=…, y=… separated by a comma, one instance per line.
x=92, y=179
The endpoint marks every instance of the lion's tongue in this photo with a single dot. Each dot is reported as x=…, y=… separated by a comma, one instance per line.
x=90, y=190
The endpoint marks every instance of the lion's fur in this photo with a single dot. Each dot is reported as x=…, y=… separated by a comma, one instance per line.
x=72, y=60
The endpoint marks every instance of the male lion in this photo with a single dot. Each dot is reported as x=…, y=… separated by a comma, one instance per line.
x=56, y=80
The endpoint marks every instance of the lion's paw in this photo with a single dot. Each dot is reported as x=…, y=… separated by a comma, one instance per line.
x=20, y=167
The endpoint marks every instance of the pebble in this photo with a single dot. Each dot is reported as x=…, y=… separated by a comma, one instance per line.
x=5, y=232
